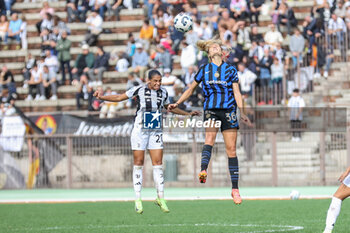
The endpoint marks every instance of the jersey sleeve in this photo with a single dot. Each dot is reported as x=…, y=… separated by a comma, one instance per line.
x=132, y=92
x=234, y=75
x=199, y=76
x=166, y=99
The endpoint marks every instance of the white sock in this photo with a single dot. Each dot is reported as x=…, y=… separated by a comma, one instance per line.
x=137, y=179
x=159, y=180
x=333, y=213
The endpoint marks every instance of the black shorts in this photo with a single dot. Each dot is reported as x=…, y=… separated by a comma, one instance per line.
x=227, y=117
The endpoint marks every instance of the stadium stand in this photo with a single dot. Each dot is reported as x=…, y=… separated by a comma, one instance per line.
x=114, y=38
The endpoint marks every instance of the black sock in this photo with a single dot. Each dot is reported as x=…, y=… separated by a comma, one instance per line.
x=206, y=154
x=234, y=171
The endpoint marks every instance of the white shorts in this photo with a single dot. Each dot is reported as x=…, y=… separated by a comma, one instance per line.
x=346, y=181
x=146, y=139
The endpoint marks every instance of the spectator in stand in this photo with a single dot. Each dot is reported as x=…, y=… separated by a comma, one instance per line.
x=43, y=14
x=84, y=91
x=207, y=31
x=225, y=19
x=296, y=104
x=139, y=61
x=265, y=75
x=131, y=47
x=117, y=7
x=318, y=7
x=197, y=28
x=63, y=48
x=340, y=9
x=2, y=7
x=7, y=82
x=161, y=16
x=188, y=56
x=46, y=23
x=191, y=37
x=76, y=9
x=83, y=63
x=53, y=46
x=49, y=83
x=273, y=37
x=226, y=35
x=8, y=6
x=255, y=9
x=133, y=81
x=277, y=71
x=23, y=34
x=14, y=31
x=109, y=109
x=224, y=5
x=146, y=33
x=255, y=36
x=161, y=31
x=163, y=59
x=329, y=60
x=60, y=25
x=279, y=52
x=100, y=66
x=45, y=40
x=309, y=31
x=286, y=17
x=29, y=64
x=188, y=77
x=100, y=6
x=246, y=79
x=122, y=63
x=238, y=9
x=296, y=47
x=4, y=25
x=55, y=34
x=168, y=82
x=36, y=83
x=175, y=36
x=94, y=22
x=243, y=40
x=337, y=29
x=212, y=16
x=51, y=62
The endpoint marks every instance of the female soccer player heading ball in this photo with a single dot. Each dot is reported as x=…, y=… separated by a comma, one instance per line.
x=338, y=197
x=151, y=98
x=221, y=98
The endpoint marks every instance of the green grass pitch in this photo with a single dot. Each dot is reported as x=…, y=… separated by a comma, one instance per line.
x=186, y=216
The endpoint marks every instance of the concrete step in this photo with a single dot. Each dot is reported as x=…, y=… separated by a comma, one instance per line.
x=289, y=163
x=107, y=74
x=109, y=25
x=73, y=89
x=300, y=157
x=46, y=103
x=285, y=170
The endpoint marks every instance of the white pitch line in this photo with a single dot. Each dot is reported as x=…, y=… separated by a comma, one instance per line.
x=271, y=228
x=70, y=200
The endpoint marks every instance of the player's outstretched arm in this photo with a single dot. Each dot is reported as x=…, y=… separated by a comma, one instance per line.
x=184, y=96
x=239, y=101
x=111, y=98
x=184, y=113
x=345, y=174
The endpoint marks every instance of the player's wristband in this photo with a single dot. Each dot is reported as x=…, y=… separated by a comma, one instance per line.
x=177, y=104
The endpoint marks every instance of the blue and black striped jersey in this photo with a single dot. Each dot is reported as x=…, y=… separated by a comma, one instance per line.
x=217, y=85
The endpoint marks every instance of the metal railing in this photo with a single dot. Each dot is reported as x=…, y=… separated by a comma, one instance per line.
x=266, y=159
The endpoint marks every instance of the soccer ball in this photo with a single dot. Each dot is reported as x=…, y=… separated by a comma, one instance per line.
x=294, y=195
x=183, y=22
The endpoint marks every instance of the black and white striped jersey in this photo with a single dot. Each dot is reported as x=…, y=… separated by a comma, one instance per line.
x=148, y=100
